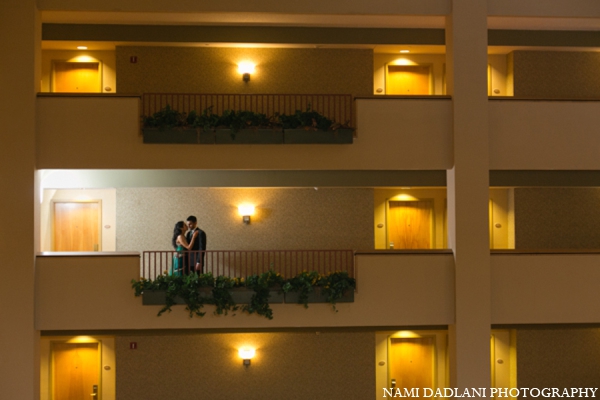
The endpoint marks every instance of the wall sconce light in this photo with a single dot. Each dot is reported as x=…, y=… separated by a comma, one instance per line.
x=246, y=354
x=246, y=68
x=246, y=211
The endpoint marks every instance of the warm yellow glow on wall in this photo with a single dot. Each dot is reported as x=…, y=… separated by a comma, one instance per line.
x=403, y=61
x=246, y=209
x=83, y=59
x=82, y=339
x=405, y=197
x=406, y=334
x=246, y=67
x=247, y=353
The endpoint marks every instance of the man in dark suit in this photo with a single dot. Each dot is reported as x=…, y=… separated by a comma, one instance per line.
x=197, y=237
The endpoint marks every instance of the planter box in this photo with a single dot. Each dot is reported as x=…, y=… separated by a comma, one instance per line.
x=244, y=295
x=178, y=136
x=248, y=136
x=317, y=297
x=159, y=297
x=302, y=136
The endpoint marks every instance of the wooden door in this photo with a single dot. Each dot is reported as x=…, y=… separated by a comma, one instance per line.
x=75, y=371
x=77, y=77
x=409, y=224
x=412, y=362
x=408, y=79
x=76, y=226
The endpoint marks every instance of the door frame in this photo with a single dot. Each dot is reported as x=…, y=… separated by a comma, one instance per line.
x=382, y=351
x=75, y=341
x=52, y=218
x=52, y=82
x=429, y=66
x=435, y=355
x=432, y=231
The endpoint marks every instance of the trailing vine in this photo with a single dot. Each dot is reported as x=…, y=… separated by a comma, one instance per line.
x=198, y=290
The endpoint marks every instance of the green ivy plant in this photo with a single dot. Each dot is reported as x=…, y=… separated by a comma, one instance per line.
x=197, y=290
x=335, y=285
x=262, y=285
x=188, y=287
x=303, y=284
x=308, y=119
x=166, y=118
x=207, y=120
x=222, y=299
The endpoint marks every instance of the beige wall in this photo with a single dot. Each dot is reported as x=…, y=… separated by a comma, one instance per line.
x=409, y=7
x=106, y=58
x=287, y=219
x=559, y=357
x=108, y=227
x=417, y=289
x=557, y=218
x=556, y=75
x=298, y=365
x=81, y=133
x=544, y=135
x=551, y=8
x=545, y=289
x=215, y=70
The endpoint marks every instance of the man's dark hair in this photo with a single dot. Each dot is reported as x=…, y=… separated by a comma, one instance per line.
x=191, y=218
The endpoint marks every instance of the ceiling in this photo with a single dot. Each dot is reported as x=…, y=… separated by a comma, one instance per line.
x=303, y=20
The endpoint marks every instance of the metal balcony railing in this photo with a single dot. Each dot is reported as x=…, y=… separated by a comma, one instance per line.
x=243, y=263
x=338, y=107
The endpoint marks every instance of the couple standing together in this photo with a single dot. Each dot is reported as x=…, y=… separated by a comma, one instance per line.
x=188, y=240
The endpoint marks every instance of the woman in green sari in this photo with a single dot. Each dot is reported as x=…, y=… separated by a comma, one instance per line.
x=180, y=244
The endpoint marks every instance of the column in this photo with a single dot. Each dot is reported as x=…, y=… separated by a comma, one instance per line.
x=468, y=194
x=20, y=40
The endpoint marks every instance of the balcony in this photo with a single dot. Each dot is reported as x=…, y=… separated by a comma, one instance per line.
x=93, y=291
x=546, y=287
x=544, y=134
x=78, y=132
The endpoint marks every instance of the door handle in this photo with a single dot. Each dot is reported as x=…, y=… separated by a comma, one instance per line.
x=94, y=391
x=393, y=383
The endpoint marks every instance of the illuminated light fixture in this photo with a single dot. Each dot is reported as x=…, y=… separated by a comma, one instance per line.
x=404, y=51
x=246, y=211
x=246, y=68
x=246, y=354
x=81, y=47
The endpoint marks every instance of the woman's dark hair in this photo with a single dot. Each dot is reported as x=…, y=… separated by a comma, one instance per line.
x=176, y=232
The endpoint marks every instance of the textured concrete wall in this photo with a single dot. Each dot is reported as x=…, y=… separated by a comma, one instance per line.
x=559, y=358
x=557, y=218
x=215, y=70
x=553, y=74
x=300, y=365
x=285, y=219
